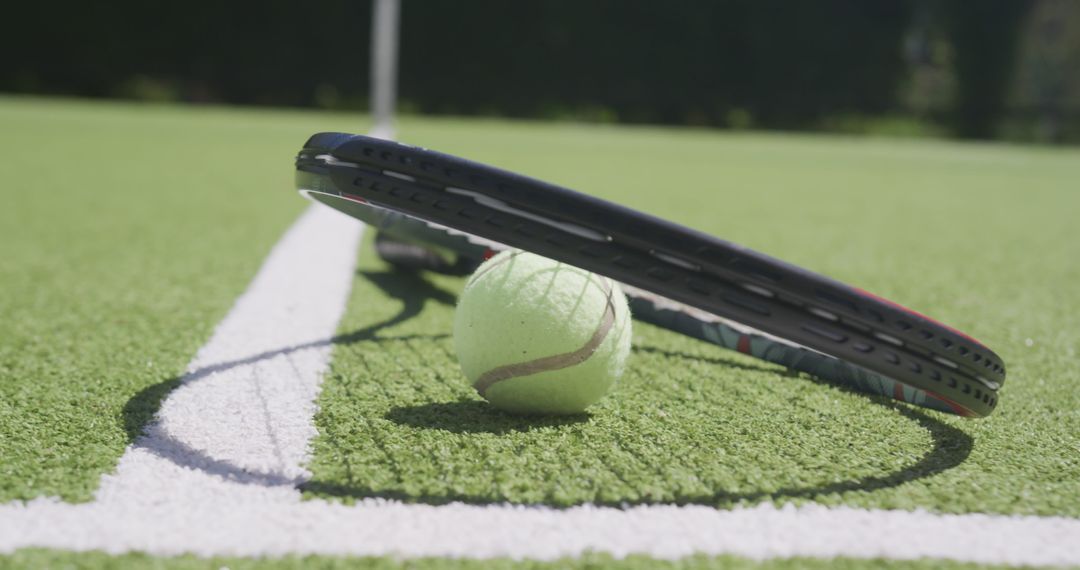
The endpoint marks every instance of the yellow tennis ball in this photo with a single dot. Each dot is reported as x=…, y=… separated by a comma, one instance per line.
x=535, y=336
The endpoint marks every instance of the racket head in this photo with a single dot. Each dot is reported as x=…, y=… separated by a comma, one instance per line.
x=359, y=175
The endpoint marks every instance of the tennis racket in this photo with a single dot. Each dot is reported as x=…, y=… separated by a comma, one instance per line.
x=443, y=213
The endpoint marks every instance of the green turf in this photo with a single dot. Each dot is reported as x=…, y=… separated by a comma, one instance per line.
x=982, y=236
x=126, y=233
x=99, y=561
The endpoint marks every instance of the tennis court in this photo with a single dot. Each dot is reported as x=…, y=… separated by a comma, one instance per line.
x=130, y=231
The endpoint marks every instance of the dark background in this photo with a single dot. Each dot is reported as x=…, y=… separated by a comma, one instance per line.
x=974, y=69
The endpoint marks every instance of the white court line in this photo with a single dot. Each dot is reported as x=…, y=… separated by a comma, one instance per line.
x=216, y=472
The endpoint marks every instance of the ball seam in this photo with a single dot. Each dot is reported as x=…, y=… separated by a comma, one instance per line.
x=557, y=361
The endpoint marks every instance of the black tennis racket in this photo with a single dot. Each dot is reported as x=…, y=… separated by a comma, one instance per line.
x=443, y=213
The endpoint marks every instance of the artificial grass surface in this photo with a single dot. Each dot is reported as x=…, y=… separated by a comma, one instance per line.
x=981, y=236
x=126, y=233
x=37, y=558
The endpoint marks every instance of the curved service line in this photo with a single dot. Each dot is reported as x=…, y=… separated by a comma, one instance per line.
x=556, y=361
x=216, y=472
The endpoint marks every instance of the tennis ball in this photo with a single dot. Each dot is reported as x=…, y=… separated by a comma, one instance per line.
x=535, y=336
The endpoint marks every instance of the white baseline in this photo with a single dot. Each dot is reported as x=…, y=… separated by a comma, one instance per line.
x=217, y=470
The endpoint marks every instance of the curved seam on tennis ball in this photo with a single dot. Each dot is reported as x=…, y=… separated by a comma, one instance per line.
x=557, y=361
x=492, y=265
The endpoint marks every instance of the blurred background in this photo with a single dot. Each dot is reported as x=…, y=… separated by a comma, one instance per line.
x=986, y=69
